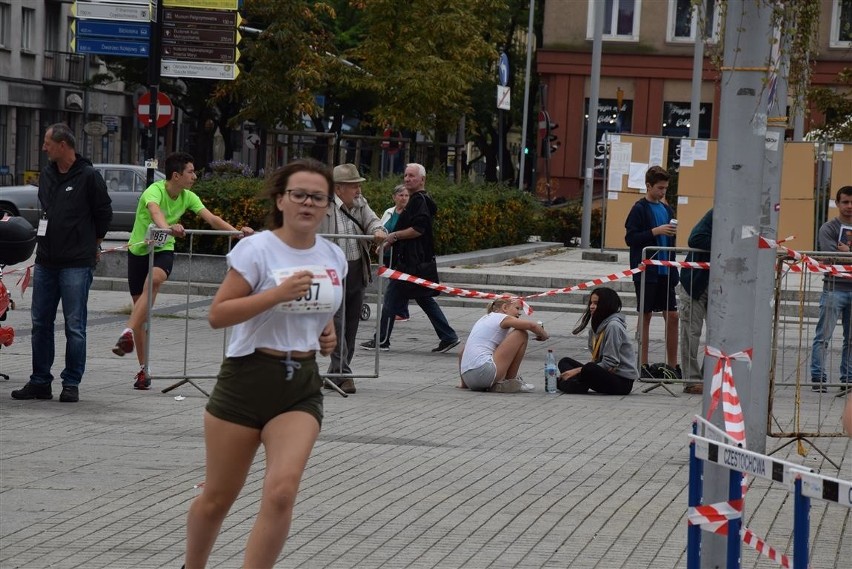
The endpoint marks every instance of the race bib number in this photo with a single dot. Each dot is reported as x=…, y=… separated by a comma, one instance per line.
x=158, y=237
x=321, y=293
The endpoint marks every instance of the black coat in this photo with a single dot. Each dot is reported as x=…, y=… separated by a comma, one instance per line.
x=78, y=210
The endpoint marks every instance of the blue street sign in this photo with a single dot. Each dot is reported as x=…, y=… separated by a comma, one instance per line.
x=106, y=47
x=503, y=69
x=118, y=30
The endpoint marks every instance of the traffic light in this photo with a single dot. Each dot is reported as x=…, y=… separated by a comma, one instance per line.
x=550, y=143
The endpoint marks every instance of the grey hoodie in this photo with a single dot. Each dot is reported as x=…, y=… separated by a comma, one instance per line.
x=617, y=348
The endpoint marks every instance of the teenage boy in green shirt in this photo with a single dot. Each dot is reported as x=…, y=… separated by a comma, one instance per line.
x=163, y=204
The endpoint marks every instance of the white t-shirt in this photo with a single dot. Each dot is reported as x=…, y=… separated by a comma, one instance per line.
x=263, y=260
x=483, y=339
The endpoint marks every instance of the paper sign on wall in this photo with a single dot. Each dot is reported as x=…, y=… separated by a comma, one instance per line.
x=655, y=154
x=636, y=179
x=699, y=150
x=687, y=156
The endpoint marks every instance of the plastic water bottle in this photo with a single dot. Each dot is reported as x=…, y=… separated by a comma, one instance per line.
x=550, y=373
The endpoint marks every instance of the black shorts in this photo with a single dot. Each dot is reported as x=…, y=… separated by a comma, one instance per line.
x=252, y=390
x=137, y=268
x=659, y=296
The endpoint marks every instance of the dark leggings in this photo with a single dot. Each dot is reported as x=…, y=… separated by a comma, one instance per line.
x=592, y=377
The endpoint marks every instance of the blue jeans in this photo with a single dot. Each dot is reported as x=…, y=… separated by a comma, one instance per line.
x=832, y=305
x=71, y=286
x=396, y=301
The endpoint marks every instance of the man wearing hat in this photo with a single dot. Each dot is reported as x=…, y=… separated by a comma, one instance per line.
x=349, y=214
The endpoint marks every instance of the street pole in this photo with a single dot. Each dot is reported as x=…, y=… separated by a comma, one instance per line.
x=697, y=70
x=526, y=97
x=733, y=291
x=592, y=126
x=777, y=121
x=153, y=89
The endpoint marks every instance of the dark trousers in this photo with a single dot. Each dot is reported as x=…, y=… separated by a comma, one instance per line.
x=346, y=325
x=592, y=377
x=396, y=301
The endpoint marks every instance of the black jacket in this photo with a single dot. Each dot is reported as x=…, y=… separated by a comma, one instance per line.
x=696, y=281
x=78, y=211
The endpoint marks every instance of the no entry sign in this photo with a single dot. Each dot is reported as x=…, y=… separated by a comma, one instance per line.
x=165, y=110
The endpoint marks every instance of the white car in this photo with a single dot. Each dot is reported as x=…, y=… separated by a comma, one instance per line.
x=124, y=182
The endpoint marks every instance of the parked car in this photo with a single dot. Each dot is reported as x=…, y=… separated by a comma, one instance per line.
x=124, y=182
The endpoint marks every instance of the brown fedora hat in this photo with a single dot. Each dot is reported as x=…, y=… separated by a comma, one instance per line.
x=347, y=174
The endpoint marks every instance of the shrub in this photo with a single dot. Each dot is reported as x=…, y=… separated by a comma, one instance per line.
x=470, y=217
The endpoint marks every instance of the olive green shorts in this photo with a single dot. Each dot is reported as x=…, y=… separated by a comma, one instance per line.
x=252, y=390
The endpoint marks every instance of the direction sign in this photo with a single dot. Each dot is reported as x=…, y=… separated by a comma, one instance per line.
x=104, y=11
x=199, y=70
x=165, y=111
x=119, y=30
x=201, y=17
x=198, y=52
x=107, y=47
x=503, y=69
x=227, y=36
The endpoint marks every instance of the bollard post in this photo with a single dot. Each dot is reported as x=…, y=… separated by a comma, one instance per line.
x=693, y=532
x=735, y=493
x=801, y=526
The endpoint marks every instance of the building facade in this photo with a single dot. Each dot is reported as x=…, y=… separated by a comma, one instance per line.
x=43, y=82
x=646, y=73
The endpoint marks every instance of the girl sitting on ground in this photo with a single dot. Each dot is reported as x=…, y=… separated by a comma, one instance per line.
x=495, y=348
x=612, y=370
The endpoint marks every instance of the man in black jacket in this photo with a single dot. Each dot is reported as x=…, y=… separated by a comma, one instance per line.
x=75, y=214
x=414, y=253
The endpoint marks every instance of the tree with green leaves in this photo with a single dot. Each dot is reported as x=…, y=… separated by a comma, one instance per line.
x=422, y=58
x=836, y=105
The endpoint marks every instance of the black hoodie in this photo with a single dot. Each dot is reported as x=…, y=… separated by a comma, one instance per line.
x=78, y=210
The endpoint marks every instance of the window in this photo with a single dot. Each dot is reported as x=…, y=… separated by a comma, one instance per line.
x=5, y=24
x=682, y=28
x=621, y=20
x=841, y=24
x=27, y=29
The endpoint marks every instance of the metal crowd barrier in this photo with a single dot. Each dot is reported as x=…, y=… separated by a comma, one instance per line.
x=157, y=236
x=805, y=484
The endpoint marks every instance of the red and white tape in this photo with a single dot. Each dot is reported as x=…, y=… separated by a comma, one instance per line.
x=681, y=264
x=808, y=264
x=387, y=273
x=764, y=548
x=399, y=275
x=723, y=388
x=714, y=517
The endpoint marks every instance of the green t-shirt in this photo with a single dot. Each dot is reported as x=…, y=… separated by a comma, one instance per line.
x=172, y=209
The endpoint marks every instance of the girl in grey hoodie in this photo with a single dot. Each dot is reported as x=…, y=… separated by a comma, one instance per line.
x=612, y=370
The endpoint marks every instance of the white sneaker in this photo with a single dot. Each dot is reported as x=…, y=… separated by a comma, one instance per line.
x=512, y=385
x=526, y=387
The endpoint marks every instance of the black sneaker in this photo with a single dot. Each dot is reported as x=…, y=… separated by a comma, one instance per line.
x=371, y=345
x=70, y=394
x=446, y=345
x=819, y=386
x=646, y=373
x=678, y=372
x=33, y=391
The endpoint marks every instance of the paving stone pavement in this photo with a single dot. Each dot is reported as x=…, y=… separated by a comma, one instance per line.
x=408, y=472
